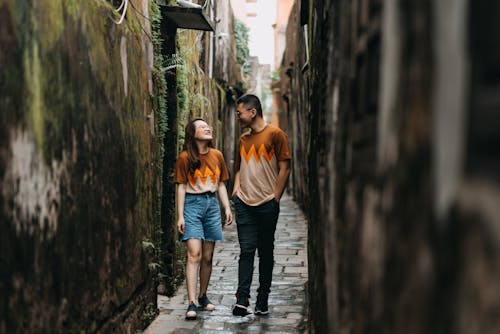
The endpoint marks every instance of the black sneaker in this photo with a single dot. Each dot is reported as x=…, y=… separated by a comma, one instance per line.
x=191, y=311
x=261, y=310
x=205, y=303
x=241, y=306
x=261, y=307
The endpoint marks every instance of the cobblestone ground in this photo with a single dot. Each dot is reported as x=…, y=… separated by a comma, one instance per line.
x=286, y=301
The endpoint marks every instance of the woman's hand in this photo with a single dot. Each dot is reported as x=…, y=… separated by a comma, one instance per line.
x=180, y=225
x=229, y=216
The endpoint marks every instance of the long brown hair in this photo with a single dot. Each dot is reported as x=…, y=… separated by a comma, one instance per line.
x=190, y=145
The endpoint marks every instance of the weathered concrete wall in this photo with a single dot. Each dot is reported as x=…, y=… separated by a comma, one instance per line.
x=324, y=140
x=403, y=231
x=78, y=167
x=229, y=76
x=226, y=70
x=292, y=92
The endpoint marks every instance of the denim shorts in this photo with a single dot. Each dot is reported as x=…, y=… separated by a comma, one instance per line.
x=202, y=218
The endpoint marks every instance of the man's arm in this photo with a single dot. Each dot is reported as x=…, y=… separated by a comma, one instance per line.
x=284, y=166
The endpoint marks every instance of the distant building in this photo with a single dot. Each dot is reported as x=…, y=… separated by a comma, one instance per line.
x=278, y=108
x=250, y=12
x=283, y=8
x=239, y=9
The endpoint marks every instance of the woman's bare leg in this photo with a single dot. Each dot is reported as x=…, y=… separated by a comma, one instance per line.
x=206, y=265
x=194, y=247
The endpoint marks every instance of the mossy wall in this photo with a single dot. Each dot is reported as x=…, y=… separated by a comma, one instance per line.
x=79, y=167
x=292, y=95
x=198, y=95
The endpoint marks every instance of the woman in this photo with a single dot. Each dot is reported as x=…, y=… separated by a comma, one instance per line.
x=200, y=172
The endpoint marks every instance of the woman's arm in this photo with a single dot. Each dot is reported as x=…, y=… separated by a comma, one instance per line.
x=181, y=196
x=236, y=183
x=225, y=203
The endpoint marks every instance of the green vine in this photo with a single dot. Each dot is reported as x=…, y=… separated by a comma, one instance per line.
x=241, y=35
x=159, y=99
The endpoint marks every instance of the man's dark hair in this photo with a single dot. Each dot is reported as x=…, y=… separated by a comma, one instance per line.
x=250, y=101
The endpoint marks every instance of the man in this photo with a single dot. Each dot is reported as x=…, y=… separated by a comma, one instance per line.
x=262, y=170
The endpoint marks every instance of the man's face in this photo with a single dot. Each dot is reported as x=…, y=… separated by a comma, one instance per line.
x=245, y=115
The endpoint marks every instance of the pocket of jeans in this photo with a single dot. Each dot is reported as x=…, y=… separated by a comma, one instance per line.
x=190, y=200
x=235, y=199
x=276, y=204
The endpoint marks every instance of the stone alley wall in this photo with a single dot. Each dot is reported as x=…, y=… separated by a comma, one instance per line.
x=228, y=74
x=292, y=95
x=403, y=182
x=93, y=104
x=78, y=167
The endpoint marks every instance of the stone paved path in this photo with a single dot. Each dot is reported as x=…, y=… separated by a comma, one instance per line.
x=286, y=301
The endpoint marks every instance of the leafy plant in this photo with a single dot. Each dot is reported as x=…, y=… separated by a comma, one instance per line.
x=241, y=35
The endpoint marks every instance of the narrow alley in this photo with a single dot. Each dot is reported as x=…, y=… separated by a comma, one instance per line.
x=286, y=301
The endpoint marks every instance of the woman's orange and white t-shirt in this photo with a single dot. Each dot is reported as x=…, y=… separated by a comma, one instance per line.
x=206, y=178
x=258, y=164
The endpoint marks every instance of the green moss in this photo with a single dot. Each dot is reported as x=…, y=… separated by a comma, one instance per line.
x=51, y=22
x=149, y=313
x=159, y=102
x=33, y=73
x=72, y=7
x=182, y=104
x=93, y=327
x=120, y=283
x=198, y=95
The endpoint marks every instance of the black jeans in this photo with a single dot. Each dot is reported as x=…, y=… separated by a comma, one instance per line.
x=256, y=226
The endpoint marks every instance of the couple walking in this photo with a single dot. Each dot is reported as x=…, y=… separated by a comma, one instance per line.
x=262, y=170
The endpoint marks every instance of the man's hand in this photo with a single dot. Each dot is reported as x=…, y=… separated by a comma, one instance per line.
x=284, y=172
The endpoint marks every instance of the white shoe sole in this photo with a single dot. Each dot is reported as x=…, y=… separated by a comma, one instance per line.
x=191, y=315
x=209, y=307
x=241, y=310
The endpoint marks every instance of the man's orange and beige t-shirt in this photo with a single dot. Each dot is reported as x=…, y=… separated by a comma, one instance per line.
x=206, y=178
x=258, y=164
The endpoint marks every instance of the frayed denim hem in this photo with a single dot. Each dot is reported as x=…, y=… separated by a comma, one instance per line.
x=184, y=240
x=214, y=241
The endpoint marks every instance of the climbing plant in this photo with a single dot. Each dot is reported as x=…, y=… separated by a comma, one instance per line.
x=241, y=35
x=159, y=102
x=197, y=94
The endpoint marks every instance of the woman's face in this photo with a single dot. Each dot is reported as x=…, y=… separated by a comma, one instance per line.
x=203, y=130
